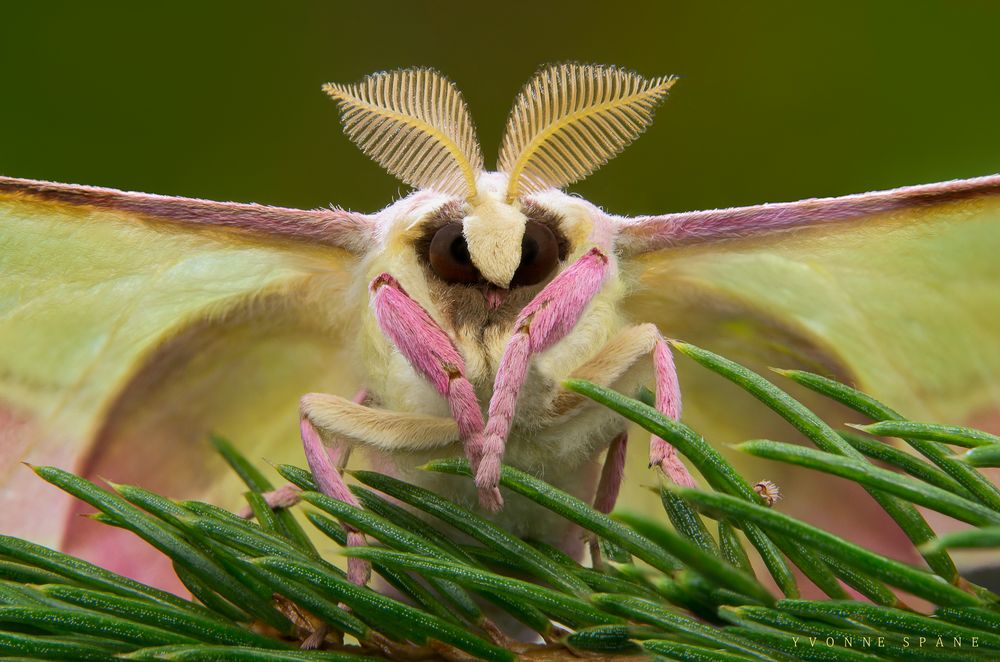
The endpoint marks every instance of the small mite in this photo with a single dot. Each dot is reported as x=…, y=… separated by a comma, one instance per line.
x=768, y=491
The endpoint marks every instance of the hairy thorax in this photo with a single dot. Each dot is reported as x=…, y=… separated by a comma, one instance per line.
x=553, y=434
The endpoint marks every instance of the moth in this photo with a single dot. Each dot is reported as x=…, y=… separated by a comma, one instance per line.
x=132, y=323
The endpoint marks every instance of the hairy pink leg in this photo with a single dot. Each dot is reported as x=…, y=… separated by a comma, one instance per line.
x=611, y=474
x=325, y=465
x=430, y=351
x=285, y=496
x=668, y=401
x=543, y=322
x=288, y=495
x=607, y=489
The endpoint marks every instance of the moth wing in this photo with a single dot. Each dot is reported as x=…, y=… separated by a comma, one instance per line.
x=132, y=326
x=896, y=292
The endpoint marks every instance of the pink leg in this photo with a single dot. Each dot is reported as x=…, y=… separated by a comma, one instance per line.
x=325, y=465
x=607, y=489
x=611, y=474
x=668, y=401
x=430, y=351
x=608, y=486
x=543, y=322
x=614, y=360
x=287, y=495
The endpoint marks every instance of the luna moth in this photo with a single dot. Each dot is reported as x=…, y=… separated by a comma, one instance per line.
x=130, y=324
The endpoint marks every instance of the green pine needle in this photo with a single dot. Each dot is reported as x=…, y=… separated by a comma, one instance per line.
x=671, y=587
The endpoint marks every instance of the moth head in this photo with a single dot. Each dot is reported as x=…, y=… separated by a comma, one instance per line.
x=490, y=228
x=493, y=243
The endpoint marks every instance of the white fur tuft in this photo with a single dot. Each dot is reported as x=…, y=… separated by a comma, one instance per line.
x=493, y=232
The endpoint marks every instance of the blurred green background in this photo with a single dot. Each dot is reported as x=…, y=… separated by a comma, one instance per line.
x=776, y=101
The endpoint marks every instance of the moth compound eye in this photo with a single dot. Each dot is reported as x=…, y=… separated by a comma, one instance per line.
x=449, y=257
x=539, y=255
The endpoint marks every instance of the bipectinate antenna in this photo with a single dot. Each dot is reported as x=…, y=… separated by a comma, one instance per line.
x=415, y=124
x=571, y=119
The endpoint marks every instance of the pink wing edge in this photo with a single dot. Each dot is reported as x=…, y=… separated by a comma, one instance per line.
x=643, y=234
x=348, y=230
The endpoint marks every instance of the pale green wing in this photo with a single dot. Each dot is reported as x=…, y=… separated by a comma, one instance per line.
x=131, y=326
x=902, y=297
x=895, y=292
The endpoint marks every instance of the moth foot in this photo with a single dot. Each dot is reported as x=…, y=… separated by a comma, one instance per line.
x=359, y=571
x=316, y=639
x=285, y=496
x=490, y=499
x=665, y=456
x=488, y=481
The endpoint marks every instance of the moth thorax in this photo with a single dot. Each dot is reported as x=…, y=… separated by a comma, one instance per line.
x=493, y=231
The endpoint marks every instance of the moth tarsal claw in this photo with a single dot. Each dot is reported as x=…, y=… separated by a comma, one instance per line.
x=359, y=571
x=285, y=496
x=491, y=500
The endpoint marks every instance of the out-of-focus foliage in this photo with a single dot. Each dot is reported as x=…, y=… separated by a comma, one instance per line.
x=666, y=585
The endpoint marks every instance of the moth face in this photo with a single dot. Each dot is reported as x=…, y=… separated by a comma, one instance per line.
x=501, y=259
x=466, y=300
x=478, y=263
x=492, y=245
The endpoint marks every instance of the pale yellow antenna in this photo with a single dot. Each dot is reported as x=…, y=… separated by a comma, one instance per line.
x=415, y=124
x=571, y=119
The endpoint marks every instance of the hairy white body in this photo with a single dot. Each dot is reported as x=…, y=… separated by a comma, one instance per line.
x=554, y=434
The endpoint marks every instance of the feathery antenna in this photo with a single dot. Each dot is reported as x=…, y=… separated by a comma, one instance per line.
x=415, y=124
x=571, y=119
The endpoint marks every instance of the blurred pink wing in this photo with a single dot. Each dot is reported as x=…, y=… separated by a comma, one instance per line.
x=331, y=227
x=652, y=233
x=131, y=325
x=897, y=292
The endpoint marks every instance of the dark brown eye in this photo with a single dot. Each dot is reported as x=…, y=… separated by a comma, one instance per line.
x=449, y=256
x=539, y=255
